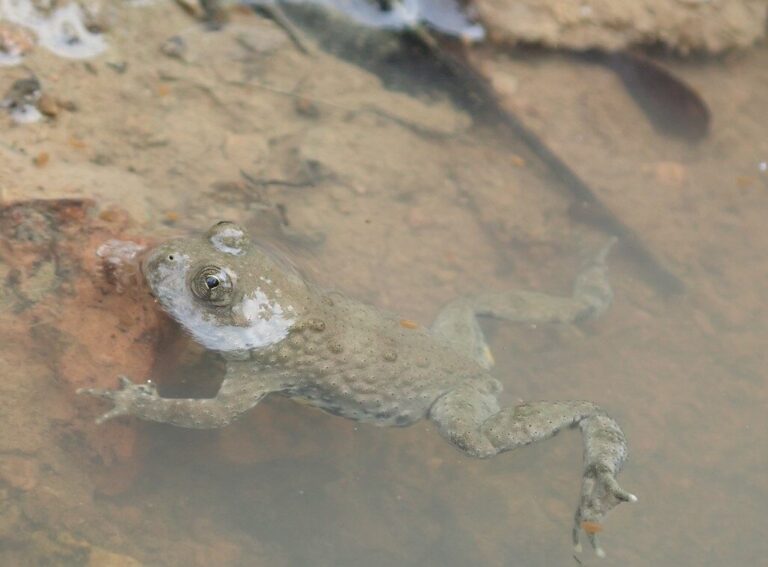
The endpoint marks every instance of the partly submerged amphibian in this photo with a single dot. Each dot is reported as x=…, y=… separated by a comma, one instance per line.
x=281, y=334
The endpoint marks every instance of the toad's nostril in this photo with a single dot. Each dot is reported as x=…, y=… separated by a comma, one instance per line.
x=170, y=257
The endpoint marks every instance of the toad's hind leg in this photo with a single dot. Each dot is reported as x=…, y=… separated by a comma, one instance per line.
x=457, y=322
x=470, y=418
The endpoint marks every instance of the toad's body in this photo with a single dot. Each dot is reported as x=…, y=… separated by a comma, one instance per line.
x=282, y=334
x=360, y=363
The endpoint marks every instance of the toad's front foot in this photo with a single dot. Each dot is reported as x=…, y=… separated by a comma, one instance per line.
x=126, y=399
x=600, y=492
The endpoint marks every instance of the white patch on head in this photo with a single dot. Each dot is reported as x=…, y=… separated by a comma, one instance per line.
x=266, y=321
x=224, y=239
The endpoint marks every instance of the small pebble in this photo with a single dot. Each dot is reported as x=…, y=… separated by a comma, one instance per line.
x=591, y=527
x=100, y=557
x=306, y=108
x=77, y=143
x=174, y=47
x=48, y=105
x=118, y=67
x=517, y=161
x=418, y=218
x=670, y=173
x=41, y=159
x=745, y=181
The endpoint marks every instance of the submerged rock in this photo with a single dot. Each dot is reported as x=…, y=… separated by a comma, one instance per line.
x=59, y=306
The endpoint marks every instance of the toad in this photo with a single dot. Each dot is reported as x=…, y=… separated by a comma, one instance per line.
x=281, y=334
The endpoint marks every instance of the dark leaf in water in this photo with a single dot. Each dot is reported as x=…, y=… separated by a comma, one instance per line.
x=672, y=106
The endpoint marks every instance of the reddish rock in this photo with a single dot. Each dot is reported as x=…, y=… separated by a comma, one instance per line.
x=87, y=330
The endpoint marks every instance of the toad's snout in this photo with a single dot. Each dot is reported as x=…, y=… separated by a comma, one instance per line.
x=161, y=264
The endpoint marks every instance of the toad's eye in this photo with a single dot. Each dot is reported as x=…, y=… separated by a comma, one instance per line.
x=212, y=284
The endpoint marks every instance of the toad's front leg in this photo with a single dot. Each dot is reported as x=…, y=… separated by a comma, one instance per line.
x=239, y=392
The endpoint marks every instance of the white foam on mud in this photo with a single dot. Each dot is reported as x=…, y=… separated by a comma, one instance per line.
x=26, y=114
x=445, y=16
x=9, y=59
x=61, y=32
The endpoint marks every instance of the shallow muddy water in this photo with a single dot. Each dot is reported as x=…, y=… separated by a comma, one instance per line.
x=383, y=175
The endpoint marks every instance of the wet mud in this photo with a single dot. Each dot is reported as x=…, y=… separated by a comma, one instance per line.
x=405, y=200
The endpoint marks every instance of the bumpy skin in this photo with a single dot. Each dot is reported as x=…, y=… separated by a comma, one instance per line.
x=281, y=334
